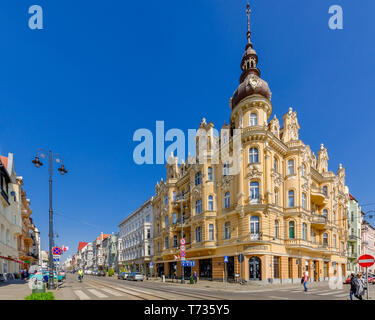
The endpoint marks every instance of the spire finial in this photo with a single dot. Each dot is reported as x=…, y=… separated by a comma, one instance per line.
x=248, y=11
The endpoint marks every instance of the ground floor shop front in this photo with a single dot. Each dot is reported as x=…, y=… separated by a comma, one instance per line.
x=265, y=268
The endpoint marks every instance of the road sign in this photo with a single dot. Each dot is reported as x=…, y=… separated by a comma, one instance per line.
x=366, y=260
x=240, y=257
x=188, y=263
x=56, y=250
x=183, y=254
x=182, y=241
x=182, y=248
x=226, y=259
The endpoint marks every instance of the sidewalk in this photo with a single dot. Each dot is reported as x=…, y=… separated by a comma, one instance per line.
x=14, y=290
x=250, y=286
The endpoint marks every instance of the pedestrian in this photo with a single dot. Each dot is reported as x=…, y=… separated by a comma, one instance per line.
x=352, y=286
x=360, y=287
x=195, y=277
x=304, y=280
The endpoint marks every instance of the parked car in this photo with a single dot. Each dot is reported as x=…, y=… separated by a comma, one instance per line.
x=135, y=276
x=101, y=273
x=123, y=275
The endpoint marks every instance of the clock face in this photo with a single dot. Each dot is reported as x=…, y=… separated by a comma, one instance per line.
x=254, y=81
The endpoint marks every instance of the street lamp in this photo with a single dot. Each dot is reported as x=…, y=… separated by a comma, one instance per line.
x=51, y=158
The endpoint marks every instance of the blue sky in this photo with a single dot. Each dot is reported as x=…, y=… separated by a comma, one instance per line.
x=100, y=70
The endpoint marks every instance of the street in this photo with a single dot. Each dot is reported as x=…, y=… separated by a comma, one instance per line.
x=104, y=288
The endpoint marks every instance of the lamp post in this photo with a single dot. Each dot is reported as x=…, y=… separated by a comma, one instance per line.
x=51, y=158
x=180, y=198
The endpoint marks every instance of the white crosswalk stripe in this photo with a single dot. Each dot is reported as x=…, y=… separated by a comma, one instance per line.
x=81, y=295
x=132, y=289
x=346, y=294
x=112, y=292
x=327, y=293
x=97, y=293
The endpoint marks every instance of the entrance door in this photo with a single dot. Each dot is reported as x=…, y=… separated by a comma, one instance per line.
x=254, y=269
x=187, y=272
x=230, y=268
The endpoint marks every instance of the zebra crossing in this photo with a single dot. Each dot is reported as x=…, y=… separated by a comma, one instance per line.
x=91, y=293
x=320, y=292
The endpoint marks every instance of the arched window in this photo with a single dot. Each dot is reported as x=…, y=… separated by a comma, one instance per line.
x=276, y=198
x=254, y=228
x=304, y=231
x=227, y=200
x=209, y=174
x=227, y=230
x=253, y=119
x=254, y=192
x=325, y=239
x=291, y=229
x=291, y=198
x=198, y=178
x=211, y=203
x=198, y=206
x=303, y=200
x=325, y=190
x=276, y=228
x=303, y=170
x=253, y=155
x=291, y=166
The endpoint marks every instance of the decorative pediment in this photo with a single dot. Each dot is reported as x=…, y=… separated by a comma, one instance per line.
x=254, y=172
x=226, y=182
x=277, y=178
x=197, y=191
x=305, y=187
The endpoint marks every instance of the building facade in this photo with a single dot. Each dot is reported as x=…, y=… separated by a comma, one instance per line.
x=282, y=210
x=11, y=227
x=354, y=244
x=98, y=252
x=135, y=243
x=368, y=243
x=110, y=252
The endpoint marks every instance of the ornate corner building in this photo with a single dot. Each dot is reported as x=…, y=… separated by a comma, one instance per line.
x=285, y=212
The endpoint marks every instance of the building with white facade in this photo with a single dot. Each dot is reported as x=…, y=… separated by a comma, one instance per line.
x=355, y=235
x=135, y=240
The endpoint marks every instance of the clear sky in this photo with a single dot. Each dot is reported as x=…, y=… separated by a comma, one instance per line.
x=99, y=70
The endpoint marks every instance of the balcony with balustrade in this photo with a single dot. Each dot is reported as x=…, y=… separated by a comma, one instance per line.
x=319, y=221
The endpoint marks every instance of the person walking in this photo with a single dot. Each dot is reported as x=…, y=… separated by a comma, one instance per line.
x=359, y=287
x=352, y=286
x=305, y=279
x=195, y=277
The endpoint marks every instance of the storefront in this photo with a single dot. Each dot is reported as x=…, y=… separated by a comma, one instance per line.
x=159, y=269
x=205, y=269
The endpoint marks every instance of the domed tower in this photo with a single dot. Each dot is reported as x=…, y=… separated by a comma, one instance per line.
x=251, y=102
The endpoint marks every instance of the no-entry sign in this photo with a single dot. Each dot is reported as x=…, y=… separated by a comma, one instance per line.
x=366, y=261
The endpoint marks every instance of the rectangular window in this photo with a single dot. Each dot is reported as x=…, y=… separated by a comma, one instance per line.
x=166, y=243
x=148, y=233
x=276, y=267
x=290, y=167
x=209, y=174
x=211, y=232
x=198, y=207
x=198, y=234
x=227, y=230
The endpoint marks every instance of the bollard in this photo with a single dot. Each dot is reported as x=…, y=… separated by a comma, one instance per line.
x=163, y=278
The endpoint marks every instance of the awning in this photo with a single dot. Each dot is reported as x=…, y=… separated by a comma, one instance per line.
x=10, y=259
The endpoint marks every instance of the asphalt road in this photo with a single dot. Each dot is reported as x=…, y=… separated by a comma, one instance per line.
x=104, y=288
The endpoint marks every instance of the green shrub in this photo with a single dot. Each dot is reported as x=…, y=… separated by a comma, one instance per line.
x=41, y=296
x=17, y=276
x=111, y=272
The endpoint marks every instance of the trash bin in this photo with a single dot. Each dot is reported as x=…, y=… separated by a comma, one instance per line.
x=40, y=287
